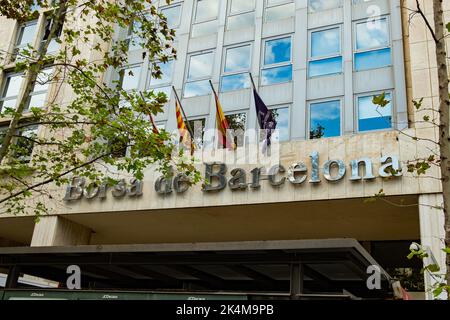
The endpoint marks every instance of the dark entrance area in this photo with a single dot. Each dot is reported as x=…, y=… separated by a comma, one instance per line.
x=297, y=269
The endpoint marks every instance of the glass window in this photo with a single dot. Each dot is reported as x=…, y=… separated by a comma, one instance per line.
x=239, y=6
x=280, y=12
x=372, y=44
x=39, y=94
x=277, y=67
x=206, y=10
x=319, y=5
x=199, y=72
x=10, y=91
x=25, y=36
x=166, y=74
x=282, y=116
x=163, y=84
x=198, y=127
x=173, y=15
x=241, y=21
x=204, y=29
x=325, y=52
x=237, y=122
x=129, y=78
x=25, y=143
x=372, y=116
x=53, y=46
x=325, y=119
x=236, y=68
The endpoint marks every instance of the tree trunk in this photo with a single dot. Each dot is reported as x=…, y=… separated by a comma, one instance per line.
x=444, y=114
x=30, y=80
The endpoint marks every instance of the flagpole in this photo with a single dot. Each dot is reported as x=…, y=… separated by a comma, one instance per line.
x=253, y=82
x=184, y=114
x=212, y=87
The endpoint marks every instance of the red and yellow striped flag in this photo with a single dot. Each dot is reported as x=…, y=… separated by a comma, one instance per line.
x=185, y=135
x=222, y=126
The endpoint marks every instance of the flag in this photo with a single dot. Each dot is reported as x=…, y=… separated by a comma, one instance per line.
x=222, y=125
x=266, y=119
x=184, y=133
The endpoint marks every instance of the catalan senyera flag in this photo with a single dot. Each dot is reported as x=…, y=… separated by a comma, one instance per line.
x=185, y=136
x=222, y=126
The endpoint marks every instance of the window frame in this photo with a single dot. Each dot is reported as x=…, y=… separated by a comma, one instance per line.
x=188, y=66
x=20, y=27
x=141, y=82
x=315, y=11
x=267, y=6
x=195, y=118
x=230, y=113
x=372, y=94
x=378, y=48
x=341, y=100
x=232, y=73
x=19, y=133
x=275, y=65
x=41, y=92
x=170, y=6
x=149, y=78
x=194, y=17
x=231, y=14
x=325, y=57
x=283, y=106
x=5, y=78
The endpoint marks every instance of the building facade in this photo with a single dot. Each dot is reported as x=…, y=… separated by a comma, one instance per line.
x=317, y=64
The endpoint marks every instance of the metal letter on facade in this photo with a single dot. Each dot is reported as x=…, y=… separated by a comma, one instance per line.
x=219, y=176
x=163, y=185
x=91, y=191
x=391, y=168
x=74, y=191
x=368, y=171
x=327, y=170
x=256, y=177
x=120, y=189
x=135, y=189
x=273, y=172
x=297, y=168
x=181, y=183
x=238, y=180
x=315, y=167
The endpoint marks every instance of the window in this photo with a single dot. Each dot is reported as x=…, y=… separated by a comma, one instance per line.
x=241, y=14
x=320, y=5
x=325, y=52
x=236, y=67
x=24, y=144
x=372, y=44
x=173, y=15
x=237, y=122
x=199, y=72
x=372, y=116
x=279, y=9
x=25, y=37
x=198, y=127
x=163, y=84
x=10, y=91
x=39, y=93
x=130, y=78
x=205, y=21
x=12, y=86
x=325, y=119
x=277, y=64
x=53, y=46
x=282, y=115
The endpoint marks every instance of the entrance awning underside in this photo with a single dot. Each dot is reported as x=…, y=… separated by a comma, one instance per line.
x=296, y=269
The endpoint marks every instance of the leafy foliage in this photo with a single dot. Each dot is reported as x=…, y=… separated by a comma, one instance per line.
x=102, y=127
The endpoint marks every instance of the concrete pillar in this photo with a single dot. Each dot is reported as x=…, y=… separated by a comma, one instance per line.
x=58, y=231
x=432, y=235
